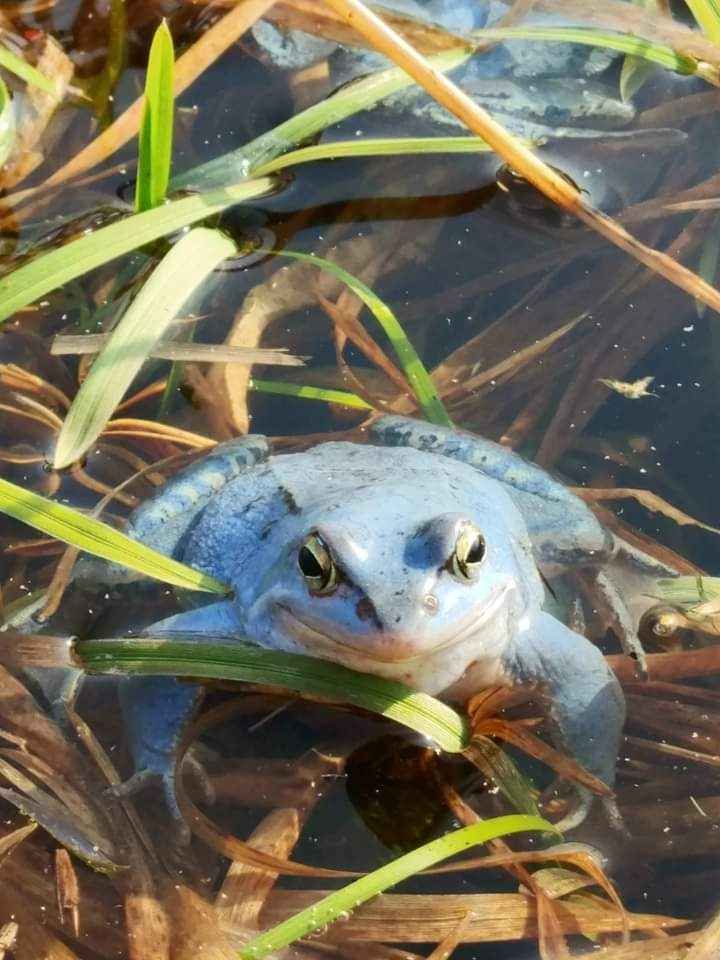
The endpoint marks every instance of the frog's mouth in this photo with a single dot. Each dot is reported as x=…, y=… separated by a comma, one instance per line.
x=384, y=647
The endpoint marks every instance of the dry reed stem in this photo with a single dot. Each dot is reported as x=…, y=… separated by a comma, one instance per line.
x=707, y=945
x=245, y=888
x=670, y=666
x=421, y=918
x=518, y=156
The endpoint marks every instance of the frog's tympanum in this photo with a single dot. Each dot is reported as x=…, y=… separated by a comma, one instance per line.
x=419, y=556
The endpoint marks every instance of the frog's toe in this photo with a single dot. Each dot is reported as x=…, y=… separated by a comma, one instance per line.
x=165, y=778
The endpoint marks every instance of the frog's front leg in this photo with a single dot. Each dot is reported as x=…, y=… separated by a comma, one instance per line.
x=156, y=710
x=587, y=703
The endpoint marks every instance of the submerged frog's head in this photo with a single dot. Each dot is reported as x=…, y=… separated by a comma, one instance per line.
x=395, y=583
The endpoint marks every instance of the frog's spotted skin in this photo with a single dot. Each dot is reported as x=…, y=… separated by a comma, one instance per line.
x=391, y=514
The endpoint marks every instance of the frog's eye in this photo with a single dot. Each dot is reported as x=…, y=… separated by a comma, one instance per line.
x=468, y=554
x=317, y=565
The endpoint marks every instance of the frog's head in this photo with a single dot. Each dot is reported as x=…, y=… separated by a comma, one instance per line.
x=395, y=587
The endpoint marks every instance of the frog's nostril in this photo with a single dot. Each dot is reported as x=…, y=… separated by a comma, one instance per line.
x=431, y=603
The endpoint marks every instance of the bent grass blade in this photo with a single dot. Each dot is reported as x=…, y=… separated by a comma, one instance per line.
x=51, y=270
x=156, y=128
x=380, y=147
x=344, y=901
x=179, y=275
x=417, y=376
x=97, y=538
x=342, y=397
x=203, y=656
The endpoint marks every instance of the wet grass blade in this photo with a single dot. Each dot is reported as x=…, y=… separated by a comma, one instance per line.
x=20, y=68
x=97, y=538
x=179, y=275
x=417, y=376
x=625, y=43
x=7, y=123
x=43, y=274
x=636, y=71
x=359, y=95
x=689, y=590
x=707, y=17
x=344, y=901
x=380, y=147
x=342, y=397
x=156, y=129
x=232, y=659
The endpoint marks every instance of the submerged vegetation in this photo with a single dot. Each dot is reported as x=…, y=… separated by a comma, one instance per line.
x=138, y=290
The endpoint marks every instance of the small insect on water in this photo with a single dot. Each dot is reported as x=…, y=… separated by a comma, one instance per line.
x=633, y=391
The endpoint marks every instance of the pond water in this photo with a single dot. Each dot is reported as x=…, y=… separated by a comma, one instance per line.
x=519, y=312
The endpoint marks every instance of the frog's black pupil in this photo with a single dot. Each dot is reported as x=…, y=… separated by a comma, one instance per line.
x=308, y=563
x=476, y=551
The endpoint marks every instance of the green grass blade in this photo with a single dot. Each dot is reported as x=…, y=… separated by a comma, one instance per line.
x=707, y=17
x=208, y=658
x=7, y=123
x=180, y=273
x=342, y=397
x=376, y=147
x=499, y=768
x=418, y=377
x=20, y=68
x=689, y=590
x=93, y=536
x=356, y=96
x=625, y=43
x=156, y=129
x=344, y=901
x=43, y=274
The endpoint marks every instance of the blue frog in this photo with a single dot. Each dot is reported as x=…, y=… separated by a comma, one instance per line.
x=420, y=555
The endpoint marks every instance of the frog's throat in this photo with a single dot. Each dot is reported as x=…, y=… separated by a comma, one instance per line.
x=320, y=643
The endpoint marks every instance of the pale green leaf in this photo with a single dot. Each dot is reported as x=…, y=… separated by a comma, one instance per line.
x=156, y=129
x=20, y=68
x=7, y=123
x=174, y=280
x=688, y=590
x=97, y=538
x=707, y=16
x=50, y=270
x=344, y=901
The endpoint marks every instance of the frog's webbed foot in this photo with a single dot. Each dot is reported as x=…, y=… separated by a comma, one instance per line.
x=587, y=703
x=156, y=711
